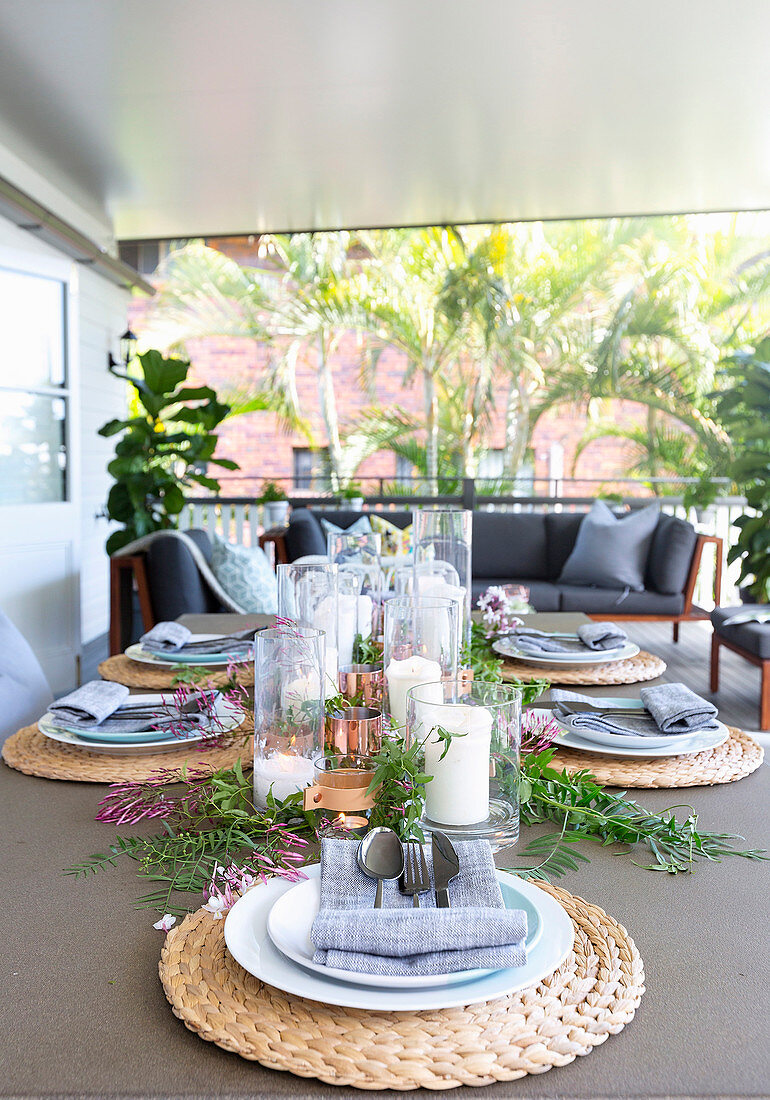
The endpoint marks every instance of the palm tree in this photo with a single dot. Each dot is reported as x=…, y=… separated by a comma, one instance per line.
x=401, y=297
x=299, y=304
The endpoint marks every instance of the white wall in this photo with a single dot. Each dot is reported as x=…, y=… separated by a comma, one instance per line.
x=100, y=316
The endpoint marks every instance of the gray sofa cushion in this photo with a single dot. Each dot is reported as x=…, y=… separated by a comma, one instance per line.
x=611, y=552
x=24, y=692
x=507, y=544
x=561, y=529
x=543, y=595
x=304, y=535
x=176, y=586
x=671, y=550
x=600, y=601
x=753, y=637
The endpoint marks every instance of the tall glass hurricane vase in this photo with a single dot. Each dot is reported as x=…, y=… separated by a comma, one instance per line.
x=288, y=709
x=471, y=734
x=358, y=557
x=444, y=535
x=309, y=595
x=421, y=646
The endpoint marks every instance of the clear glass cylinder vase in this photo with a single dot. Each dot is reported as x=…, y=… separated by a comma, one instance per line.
x=421, y=646
x=309, y=594
x=444, y=535
x=470, y=736
x=289, y=695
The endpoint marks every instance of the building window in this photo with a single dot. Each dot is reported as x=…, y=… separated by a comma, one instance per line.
x=33, y=389
x=311, y=468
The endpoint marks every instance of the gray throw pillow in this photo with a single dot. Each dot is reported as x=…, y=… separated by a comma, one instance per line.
x=610, y=552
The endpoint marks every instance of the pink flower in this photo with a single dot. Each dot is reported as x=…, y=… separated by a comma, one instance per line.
x=165, y=923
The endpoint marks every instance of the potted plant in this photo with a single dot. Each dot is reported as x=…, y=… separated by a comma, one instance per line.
x=354, y=495
x=744, y=410
x=275, y=503
x=164, y=448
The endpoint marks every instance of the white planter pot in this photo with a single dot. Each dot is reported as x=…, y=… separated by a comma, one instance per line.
x=356, y=504
x=275, y=512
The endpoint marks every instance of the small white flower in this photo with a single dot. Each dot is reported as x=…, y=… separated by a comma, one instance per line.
x=165, y=923
x=216, y=907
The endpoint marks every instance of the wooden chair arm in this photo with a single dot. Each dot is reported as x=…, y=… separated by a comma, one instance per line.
x=695, y=564
x=126, y=571
x=276, y=536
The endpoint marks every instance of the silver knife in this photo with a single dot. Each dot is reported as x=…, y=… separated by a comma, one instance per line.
x=446, y=866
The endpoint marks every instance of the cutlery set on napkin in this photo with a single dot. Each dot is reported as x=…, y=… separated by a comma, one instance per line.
x=103, y=706
x=461, y=922
x=174, y=638
x=591, y=637
x=665, y=710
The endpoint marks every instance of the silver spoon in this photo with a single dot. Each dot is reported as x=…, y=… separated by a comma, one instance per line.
x=380, y=856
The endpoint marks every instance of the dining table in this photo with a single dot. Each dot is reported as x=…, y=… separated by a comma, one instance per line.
x=83, y=1013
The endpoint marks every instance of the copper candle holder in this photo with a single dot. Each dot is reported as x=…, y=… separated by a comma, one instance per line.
x=341, y=783
x=364, y=684
x=357, y=730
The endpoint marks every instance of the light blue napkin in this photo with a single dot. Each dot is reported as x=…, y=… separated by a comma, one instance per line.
x=173, y=638
x=477, y=931
x=591, y=636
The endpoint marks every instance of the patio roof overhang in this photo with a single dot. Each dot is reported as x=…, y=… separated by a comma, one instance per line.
x=184, y=118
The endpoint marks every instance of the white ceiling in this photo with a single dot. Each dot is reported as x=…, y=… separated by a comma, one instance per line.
x=205, y=117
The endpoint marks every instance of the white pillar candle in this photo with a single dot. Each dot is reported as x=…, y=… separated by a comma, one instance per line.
x=404, y=675
x=284, y=773
x=365, y=614
x=458, y=793
x=301, y=690
x=431, y=585
x=347, y=628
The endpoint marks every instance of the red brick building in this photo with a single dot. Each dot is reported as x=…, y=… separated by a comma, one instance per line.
x=263, y=451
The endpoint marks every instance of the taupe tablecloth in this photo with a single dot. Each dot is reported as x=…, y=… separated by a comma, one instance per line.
x=82, y=1012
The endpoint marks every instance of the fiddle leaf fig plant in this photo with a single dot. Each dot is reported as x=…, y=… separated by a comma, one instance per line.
x=744, y=410
x=163, y=449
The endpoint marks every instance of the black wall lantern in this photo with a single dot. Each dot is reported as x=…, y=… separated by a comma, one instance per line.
x=127, y=350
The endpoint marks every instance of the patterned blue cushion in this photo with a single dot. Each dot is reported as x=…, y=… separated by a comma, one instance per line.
x=362, y=526
x=246, y=576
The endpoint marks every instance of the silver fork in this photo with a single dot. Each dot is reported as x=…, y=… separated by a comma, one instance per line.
x=416, y=878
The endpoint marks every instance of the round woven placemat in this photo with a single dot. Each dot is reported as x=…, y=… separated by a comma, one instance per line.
x=739, y=756
x=644, y=666
x=595, y=993
x=33, y=753
x=156, y=678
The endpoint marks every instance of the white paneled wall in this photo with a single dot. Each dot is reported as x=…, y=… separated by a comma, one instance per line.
x=99, y=318
x=102, y=316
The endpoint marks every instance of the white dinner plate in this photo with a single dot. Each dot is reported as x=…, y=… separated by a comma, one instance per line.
x=137, y=653
x=290, y=920
x=697, y=742
x=250, y=945
x=631, y=740
x=507, y=647
x=229, y=718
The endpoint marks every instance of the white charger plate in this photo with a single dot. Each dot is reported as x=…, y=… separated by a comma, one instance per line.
x=137, y=653
x=507, y=647
x=228, y=719
x=250, y=945
x=291, y=918
x=631, y=740
x=700, y=743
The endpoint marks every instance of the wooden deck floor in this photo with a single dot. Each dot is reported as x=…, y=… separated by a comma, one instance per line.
x=688, y=661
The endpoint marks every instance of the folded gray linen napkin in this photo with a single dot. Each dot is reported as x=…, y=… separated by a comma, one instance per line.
x=87, y=709
x=175, y=639
x=93, y=702
x=477, y=931
x=666, y=709
x=591, y=636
